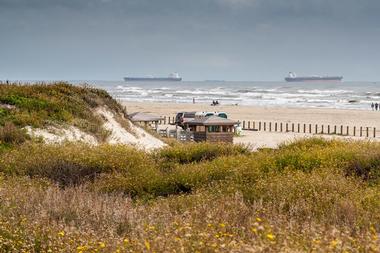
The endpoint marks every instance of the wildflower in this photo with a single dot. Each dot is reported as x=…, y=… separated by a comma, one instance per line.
x=126, y=241
x=258, y=219
x=270, y=236
x=80, y=249
x=102, y=245
x=334, y=243
x=61, y=233
x=147, y=245
x=222, y=225
x=254, y=230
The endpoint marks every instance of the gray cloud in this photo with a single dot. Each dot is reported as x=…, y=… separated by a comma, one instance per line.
x=202, y=39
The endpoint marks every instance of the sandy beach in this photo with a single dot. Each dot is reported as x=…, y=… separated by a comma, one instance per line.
x=257, y=139
x=365, y=118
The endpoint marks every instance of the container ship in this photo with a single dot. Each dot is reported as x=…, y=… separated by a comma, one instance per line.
x=292, y=77
x=172, y=77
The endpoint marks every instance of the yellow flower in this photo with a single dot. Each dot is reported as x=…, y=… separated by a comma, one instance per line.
x=61, y=233
x=147, y=245
x=222, y=225
x=126, y=241
x=258, y=219
x=270, y=236
x=102, y=245
x=334, y=243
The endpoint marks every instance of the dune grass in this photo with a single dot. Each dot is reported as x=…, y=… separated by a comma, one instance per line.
x=59, y=103
x=312, y=195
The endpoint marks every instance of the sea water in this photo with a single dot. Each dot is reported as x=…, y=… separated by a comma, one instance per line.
x=348, y=95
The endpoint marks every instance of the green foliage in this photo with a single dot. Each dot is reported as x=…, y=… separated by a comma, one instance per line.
x=197, y=152
x=42, y=104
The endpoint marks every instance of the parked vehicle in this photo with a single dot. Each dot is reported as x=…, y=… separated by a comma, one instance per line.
x=207, y=114
x=183, y=117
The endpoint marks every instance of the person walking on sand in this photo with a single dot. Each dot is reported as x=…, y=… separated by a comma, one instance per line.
x=372, y=106
x=376, y=106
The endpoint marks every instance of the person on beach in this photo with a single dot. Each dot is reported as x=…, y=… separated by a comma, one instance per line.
x=376, y=106
x=193, y=100
x=372, y=106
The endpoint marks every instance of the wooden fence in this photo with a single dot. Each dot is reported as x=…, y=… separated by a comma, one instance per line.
x=343, y=130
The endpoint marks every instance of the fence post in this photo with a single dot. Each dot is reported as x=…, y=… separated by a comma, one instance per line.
x=275, y=126
x=316, y=128
x=328, y=129
x=259, y=125
x=254, y=125
x=287, y=129
x=361, y=131
x=304, y=128
x=164, y=120
x=354, y=130
x=249, y=124
x=341, y=130
x=309, y=128
x=265, y=126
x=281, y=127
x=374, y=132
x=270, y=126
x=298, y=127
x=367, y=132
x=244, y=124
x=347, y=130
x=292, y=127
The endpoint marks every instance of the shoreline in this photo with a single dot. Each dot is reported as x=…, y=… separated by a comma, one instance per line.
x=333, y=116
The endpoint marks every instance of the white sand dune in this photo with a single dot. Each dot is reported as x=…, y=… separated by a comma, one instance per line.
x=119, y=135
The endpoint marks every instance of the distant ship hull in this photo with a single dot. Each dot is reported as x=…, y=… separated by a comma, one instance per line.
x=314, y=78
x=152, y=79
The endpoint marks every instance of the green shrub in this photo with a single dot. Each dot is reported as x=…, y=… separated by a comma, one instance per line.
x=74, y=163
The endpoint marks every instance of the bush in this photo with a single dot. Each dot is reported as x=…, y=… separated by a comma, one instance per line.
x=10, y=134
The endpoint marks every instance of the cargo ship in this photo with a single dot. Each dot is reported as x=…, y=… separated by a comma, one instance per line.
x=172, y=77
x=292, y=77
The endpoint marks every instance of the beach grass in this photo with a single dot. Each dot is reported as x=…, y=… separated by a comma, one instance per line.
x=311, y=195
x=40, y=105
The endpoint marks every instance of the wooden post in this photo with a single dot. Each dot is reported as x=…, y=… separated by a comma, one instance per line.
x=328, y=129
x=374, y=132
x=243, y=124
x=254, y=125
x=361, y=131
x=309, y=128
x=347, y=130
x=249, y=124
x=287, y=129
x=265, y=126
x=298, y=127
x=259, y=125
x=292, y=127
x=341, y=130
x=270, y=126
x=334, y=129
x=354, y=130
x=304, y=128
x=322, y=129
x=316, y=128
x=367, y=132
x=275, y=126
x=281, y=127
x=164, y=120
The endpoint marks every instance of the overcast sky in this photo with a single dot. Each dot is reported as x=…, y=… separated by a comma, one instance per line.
x=200, y=39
